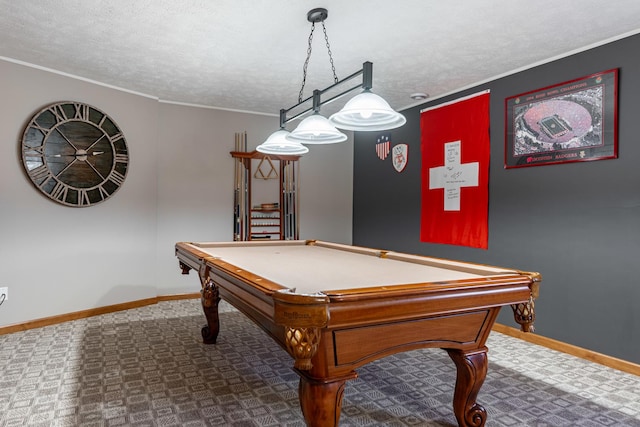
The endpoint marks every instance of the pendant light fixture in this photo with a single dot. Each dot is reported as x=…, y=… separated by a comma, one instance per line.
x=277, y=143
x=316, y=129
x=365, y=112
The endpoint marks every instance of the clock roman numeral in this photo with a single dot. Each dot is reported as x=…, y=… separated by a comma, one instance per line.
x=104, y=193
x=82, y=111
x=122, y=158
x=117, y=178
x=59, y=191
x=40, y=174
x=58, y=113
x=115, y=137
x=95, y=116
x=83, y=198
x=37, y=151
x=37, y=127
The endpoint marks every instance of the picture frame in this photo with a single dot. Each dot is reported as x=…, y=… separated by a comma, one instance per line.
x=574, y=121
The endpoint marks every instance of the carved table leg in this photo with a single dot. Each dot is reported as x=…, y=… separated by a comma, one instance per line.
x=472, y=370
x=210, y=299
x=321, y=400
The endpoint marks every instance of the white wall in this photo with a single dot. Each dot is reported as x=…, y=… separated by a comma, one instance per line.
x=195, y=184
x=56, y=259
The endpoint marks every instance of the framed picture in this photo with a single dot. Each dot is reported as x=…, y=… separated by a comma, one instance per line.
x=575, y=121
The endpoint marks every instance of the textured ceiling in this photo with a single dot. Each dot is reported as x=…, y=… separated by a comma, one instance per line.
x=248, y=55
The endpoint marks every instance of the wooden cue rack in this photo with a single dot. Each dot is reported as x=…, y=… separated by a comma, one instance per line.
x=277, y=219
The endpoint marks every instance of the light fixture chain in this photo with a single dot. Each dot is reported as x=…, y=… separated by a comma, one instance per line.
x=306, y=62
x=333, y=68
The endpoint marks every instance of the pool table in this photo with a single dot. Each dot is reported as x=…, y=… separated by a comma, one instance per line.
x=336, y=307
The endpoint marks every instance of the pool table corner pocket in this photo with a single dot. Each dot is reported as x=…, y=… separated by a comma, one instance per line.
x=303, y=316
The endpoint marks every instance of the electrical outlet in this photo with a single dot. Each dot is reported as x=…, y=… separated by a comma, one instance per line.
x=5, y=292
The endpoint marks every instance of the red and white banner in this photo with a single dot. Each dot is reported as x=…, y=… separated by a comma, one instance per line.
x=455, y=172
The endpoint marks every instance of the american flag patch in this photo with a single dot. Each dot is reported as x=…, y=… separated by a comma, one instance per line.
x=383, y=146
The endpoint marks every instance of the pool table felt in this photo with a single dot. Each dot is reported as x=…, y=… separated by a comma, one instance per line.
x=325, y=268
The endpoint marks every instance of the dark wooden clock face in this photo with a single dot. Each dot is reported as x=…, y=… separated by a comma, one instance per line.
x=74, y=154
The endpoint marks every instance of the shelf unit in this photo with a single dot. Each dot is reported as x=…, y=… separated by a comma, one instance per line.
x=276, y=220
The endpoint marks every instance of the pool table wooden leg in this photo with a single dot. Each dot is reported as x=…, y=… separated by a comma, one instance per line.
x=472, y=370
x=321, y=399
x=210, y=298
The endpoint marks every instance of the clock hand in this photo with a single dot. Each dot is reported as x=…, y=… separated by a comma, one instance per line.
x=77, y=159
x=95, y=153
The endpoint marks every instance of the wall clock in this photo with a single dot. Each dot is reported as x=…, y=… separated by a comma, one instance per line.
x=74, y=154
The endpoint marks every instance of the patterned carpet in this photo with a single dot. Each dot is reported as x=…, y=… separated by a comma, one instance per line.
x=148, y=367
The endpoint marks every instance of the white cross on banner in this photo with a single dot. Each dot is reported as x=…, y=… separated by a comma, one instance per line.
x=453, y=176
x=455, y=172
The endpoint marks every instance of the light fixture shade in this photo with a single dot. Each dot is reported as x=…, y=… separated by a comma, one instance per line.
x=316, y=129
x=277, y=143
x=367, y=112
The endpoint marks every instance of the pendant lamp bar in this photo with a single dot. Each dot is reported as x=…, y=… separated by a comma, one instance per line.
x=364, y=112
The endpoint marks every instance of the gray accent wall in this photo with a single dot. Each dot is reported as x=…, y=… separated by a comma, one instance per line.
x=578, y=224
